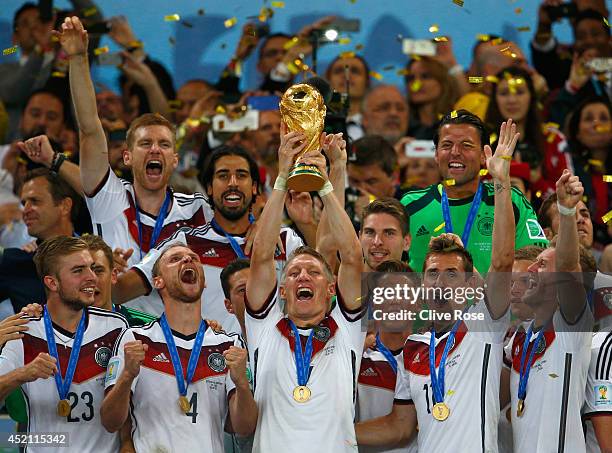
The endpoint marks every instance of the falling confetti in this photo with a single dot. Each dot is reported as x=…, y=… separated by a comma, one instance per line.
x=359, y=47
x=523, y=28
x=416, y=85
x=553, y=375
x=229, y=23
x=606, y=218
x=439, y=227
x=344, y=41
x=602, y=128
x=277, y=4
x=376, y=75
x=434, y=28
x=171, y=40
x=492, y=138
x=492, y=79
x=449, y=182
x=518, y=10
x=441, y=39
x=58, y=74
x=454, y=114
x=475, y=79
x=101, y=50
x=595, y=162
x=90, y=11
x=483, y=172
x=10, y=50
x=402, y=72
x=186, y=24
x=483, y=38
x=607, y=178
x=172, y=18
x=458, y=2
x=347, y=54
x=606, y=22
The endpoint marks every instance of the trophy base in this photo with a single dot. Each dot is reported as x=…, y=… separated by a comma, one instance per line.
x=305, y=178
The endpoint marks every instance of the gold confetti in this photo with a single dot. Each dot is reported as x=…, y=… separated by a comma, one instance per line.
x=508, y=158
x=483, y=172
x=220, y=109
x=292, y=42
x=434, y=28
x=551, y=124
x=483, y=38
x=172, y=18
x=492, y=79
x=441, y=39
x=175, y=103
x=192, y=122
x=416, y=85
x=450, y=393
x=347, y=54
x=595, y=162
x=90, y=11
x=497, y=41
x=344, y=41
x=388, y=68
x=135, y=44
x=415, y=57
x=376, y=75
x=606, y=218
x=607, y=178
x=505, y=49
x=602, y=128
x=54, y=38
x=539, y=194
x=606, y=22
x=277, y=4
x=58, y=74
x=402, y=72
x=265, y=14
x=553, y=375
x=492, y=138
x=449, y=182
x=518, y=10
x=550, y=137
x=474, y=79
x=585, y=199
x=359, y=47
x=523, y=28
x=439, y=227
x=229, y=23
x=454, y=115
x=10, y=50
x=101, y=50
x=458, y=2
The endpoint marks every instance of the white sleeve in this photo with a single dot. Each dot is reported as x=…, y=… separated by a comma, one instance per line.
x=350, y=321
x=292, y=241
x=402, y=385
x=145, y=266
x=116, y=363
x=108, y=201
x=260, y=322
x=479, y=322
x=11, y=356
x=574, y=337
x=229, y=384
x=598, y=396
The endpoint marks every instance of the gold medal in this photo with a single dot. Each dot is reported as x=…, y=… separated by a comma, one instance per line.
x=440, y=411
x=63, y=408
x=520, y=408
x=301, y=394
x=184, y=404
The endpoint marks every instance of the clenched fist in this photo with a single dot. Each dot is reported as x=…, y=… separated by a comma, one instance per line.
x=134, y=352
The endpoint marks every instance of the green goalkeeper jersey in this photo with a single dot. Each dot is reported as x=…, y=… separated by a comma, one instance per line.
x=424, y=208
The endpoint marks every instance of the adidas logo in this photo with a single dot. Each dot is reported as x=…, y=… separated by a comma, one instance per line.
x=161, y=357
x=422, y=231
x=211, y=253
x=417, y=358
x=368, y=372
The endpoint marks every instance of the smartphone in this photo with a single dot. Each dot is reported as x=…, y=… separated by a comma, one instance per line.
x=420, y=148
x=563, y=10
x=45, y=8
x=263, y=102
x=248, y=122
x=110, y=59
x=345, y=25
x=99, y=28
x=423, y=47
x=600, y=64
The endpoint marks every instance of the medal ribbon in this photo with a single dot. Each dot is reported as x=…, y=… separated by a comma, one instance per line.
x=302, y=360
x=437, y=381
x=387, y=353
x=448, y=224
x=64, y=386
x=232, y=242
x=524, y=373
x=181, y=381
x=159, y=223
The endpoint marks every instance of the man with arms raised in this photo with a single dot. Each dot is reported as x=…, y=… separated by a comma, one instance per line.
x=463, y=397
x=551, y=359
x=305, y=390
x=129, y=216
x=178, y=351
x=70, y=403
x=463, y=205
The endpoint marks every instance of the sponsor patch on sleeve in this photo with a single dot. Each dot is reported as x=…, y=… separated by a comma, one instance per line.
x=112, y=371
x=602, y=395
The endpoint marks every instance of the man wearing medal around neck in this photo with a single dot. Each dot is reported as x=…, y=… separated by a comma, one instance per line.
x=72, y=336
x=305, y=390
x=550, y=358
x=175, y=377
x=449, y=381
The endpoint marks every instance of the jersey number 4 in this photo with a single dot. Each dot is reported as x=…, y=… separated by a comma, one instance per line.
x=87, y=398
x=193, y=404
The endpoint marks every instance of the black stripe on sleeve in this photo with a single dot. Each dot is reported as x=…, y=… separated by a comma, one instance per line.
x=564, y=398
x=483, y=394
x=604, y=359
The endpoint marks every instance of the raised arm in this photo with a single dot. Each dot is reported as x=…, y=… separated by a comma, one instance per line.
x=262, y=277
x=142, y=75
x=570, y=290
x=93, y=151
x=502, y=249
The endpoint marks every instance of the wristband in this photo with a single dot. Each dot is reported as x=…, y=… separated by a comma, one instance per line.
x=280, y=184
x=566, y=211
x=58, y=160
x=326, y=189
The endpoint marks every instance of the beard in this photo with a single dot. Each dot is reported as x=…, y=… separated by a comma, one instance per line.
x=233, y=213
x=72, y=302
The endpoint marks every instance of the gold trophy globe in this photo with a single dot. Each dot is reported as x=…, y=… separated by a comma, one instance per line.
x=303, y=110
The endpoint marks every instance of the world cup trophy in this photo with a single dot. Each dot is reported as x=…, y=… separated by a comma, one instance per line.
x=303, y=110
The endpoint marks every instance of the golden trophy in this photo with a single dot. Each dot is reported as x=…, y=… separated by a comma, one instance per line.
x=303, y=110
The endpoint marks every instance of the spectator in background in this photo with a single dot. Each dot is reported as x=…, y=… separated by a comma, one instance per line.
x=543, y=147
x=420, y=169
x=385, y=113
x=552, y=59
x=432, y=92
x=589, y=133
x=351, y=76
x=187, y=96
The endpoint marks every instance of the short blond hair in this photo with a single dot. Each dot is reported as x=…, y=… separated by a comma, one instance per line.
x=50, y=251
x=148, y=119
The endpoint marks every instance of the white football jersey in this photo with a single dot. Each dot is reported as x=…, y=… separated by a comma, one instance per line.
x=471, y=384
x=113, y=214
x=83, y=425
x=376, y=391
x=215, y=254
x=158, y=423
x=598, y=399
x=555, y=389
x=326, y=421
